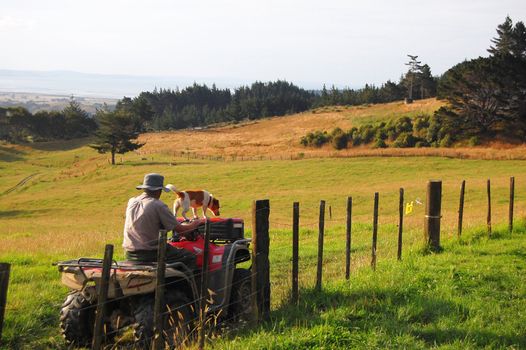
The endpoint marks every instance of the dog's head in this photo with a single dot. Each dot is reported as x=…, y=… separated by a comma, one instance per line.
x=214, y=206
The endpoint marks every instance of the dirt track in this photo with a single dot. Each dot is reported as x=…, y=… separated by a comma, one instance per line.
x=20, y=184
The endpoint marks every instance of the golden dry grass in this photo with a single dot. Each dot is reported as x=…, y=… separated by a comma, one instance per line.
x=278, y=137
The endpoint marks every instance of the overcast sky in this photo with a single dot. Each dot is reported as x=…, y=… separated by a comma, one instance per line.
x=347, y=43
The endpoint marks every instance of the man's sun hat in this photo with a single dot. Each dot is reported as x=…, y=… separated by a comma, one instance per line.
x=153, y=182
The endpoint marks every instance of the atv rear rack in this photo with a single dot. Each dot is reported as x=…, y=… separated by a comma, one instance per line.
x=82, y=263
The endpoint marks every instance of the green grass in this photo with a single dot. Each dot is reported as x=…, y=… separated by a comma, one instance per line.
x=469, y=296
x=75, y=205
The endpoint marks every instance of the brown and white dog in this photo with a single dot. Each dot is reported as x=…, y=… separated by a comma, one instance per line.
x=194, y=199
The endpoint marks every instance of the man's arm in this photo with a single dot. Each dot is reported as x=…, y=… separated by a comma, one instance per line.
x=168, y=220
x=189, y=227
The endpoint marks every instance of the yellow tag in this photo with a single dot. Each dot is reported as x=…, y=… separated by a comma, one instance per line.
x=408, y=208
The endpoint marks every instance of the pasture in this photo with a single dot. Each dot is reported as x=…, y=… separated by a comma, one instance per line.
x=62, y=200
x=74, y=205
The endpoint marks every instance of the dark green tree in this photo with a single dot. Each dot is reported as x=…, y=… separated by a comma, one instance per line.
x=487, y=95
x=77, y=121
x=504, y=40
x=139, y=108
x=117, y=133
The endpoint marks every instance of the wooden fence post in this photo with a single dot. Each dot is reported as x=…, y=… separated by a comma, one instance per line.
x=102, y=298
x=260, y=261
x=400, y=223
x=348, y=237
x=295, y=250
x=489, y=207
x=158, y=340
x=461, y=207
x=330, y=212
x=512, y=200
x=375, y=231
x=433, y=215
x=4, y=283
x=204, y=287
x=321, y=227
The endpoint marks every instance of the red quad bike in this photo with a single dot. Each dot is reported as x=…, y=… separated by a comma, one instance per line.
x=132, y=289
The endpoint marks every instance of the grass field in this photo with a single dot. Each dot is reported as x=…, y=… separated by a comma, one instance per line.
x=74, y=205
x=470, y=296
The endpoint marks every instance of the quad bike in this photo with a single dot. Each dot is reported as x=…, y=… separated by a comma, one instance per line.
x=132, y=289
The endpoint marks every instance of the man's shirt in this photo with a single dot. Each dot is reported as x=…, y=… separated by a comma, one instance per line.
x=145, y=216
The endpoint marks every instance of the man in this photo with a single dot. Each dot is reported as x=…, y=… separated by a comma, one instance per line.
x=146, y=214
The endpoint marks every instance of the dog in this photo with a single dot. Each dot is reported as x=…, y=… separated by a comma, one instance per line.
x=194, y=199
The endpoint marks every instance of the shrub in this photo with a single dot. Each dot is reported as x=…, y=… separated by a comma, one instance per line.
x=339, y=141
x=316, y=139
x=336, y=131
x=367, y=133
x=356, y=139
x=380, y=143
x=404, y=124
x=474, y=141
x=405, y=140
x=433, y=129
x=421, y=143
x=421, y=122
x=446, y=141
x=381, y=134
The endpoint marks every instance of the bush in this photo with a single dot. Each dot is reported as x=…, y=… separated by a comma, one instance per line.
x=474, y=141
x=380, y=143
x=446, y=141
x=336, y=131
x=339, y=141
x=433, y=129
x=316, y=139
x=421, y=143
x=421, y=122
x=405, y=140
x=367, y=133
x=356, y=139
x=381, y=134
x=404, y=124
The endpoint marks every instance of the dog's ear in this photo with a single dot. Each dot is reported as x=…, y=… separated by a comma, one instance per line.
x=216, y=202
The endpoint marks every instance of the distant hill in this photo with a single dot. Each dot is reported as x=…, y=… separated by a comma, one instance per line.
x=35, y=102
x=93, y=85
x=281, y=135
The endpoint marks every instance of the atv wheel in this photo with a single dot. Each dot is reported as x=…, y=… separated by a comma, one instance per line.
x=177, y=320
x=240, y=299
x=77, y=319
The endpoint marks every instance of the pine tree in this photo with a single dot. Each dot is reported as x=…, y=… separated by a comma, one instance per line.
x=504, y=41
x=414, y=70
x=117, y=133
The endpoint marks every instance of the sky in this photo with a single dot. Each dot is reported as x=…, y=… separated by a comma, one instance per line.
x=311, y=43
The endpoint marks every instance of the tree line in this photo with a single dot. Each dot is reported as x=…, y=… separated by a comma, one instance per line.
x=17, y=124
x=194, y=106
x=486, y=97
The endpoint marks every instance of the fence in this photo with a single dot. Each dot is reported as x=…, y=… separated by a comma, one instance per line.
x=261, y=268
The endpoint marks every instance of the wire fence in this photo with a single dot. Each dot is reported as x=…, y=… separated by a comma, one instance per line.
x=281, y=260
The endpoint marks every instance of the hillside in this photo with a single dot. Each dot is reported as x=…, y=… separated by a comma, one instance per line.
x=278, y=137
x=62, y=200
x=73, y=204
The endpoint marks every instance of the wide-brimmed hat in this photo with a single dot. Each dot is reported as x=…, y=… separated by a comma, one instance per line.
x=153, y=182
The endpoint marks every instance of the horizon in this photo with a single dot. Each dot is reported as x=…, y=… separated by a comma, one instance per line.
x=233, y=43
